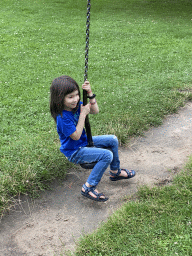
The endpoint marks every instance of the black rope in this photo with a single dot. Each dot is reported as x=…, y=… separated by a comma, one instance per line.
x=87, y=39
x=87, y=124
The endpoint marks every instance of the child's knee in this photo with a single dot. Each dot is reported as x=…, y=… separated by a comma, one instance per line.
x=108, y=156
x=114, y=140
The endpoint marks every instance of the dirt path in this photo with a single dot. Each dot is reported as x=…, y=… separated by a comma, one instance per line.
x=51, y=225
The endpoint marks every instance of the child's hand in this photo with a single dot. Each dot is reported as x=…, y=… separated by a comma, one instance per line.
x=85, y=109
x=86, y=86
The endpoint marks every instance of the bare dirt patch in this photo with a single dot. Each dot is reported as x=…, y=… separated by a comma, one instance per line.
x=52, y=224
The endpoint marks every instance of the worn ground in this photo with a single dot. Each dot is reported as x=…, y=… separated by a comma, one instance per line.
x=52, y=224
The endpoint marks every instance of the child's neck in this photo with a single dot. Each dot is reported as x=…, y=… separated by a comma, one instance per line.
x=67, y=109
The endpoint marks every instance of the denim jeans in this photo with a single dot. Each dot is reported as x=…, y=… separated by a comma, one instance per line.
x=104, y=152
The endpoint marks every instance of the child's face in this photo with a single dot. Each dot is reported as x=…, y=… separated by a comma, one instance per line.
x=71, y=100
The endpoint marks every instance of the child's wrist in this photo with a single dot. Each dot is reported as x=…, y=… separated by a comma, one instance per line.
x=83, y=114
x=92, y=96
x=93, y=103
x=89, y=93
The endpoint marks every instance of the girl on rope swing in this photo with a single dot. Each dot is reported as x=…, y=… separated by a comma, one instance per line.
x=69, y=115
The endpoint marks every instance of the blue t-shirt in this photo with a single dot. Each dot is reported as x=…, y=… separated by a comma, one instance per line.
x=66, y=125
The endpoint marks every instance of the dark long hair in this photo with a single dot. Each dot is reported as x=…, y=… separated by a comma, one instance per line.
x=60, y=87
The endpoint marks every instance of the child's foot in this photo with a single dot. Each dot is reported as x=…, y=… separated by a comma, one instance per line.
x=121, y=174
x=92, y=193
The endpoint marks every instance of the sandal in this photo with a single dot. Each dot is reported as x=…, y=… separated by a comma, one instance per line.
x=92, y=189
x=130, y=174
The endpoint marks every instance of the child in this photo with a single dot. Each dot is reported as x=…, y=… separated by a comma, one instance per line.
x=69, y=115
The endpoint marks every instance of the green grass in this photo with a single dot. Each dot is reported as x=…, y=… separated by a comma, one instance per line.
x=157, y=222
x=139, y=66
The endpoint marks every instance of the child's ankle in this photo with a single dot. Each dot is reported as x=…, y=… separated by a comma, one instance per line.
x=87, y=184
x=114, y=171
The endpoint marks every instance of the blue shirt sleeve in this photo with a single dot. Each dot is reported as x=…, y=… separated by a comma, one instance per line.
x=65, y=126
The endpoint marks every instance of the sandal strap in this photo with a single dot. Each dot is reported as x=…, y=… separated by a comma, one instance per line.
x=115, y=174
x=85, y=187
x=90, y=189
x=95, y=193
x=129, y=173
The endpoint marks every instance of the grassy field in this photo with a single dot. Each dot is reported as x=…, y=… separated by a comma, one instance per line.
x=139, y=66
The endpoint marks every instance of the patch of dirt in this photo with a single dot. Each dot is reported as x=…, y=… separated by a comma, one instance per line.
x=53, y=224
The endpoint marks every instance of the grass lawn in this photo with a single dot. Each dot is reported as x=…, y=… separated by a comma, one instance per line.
x=139, y=66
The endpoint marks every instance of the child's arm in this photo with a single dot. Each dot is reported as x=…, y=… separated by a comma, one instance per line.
x=94, y=109
x=80, y=125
